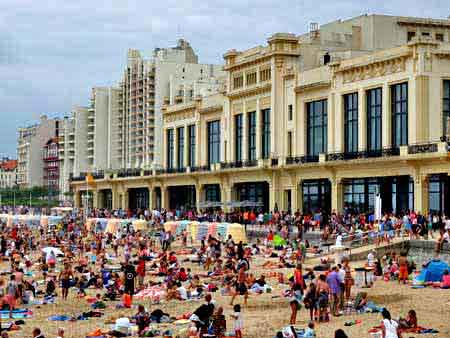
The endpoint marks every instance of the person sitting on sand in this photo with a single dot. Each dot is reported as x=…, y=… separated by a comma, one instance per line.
x=409, y=324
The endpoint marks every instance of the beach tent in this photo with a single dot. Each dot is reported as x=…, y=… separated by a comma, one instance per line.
x=171, y=226
x=112, y=226
x=237, y=231
x=140, y=224
x=433, y=271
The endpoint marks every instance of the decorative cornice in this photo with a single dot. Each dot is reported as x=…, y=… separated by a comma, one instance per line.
x=211, y=109
x=259, y=89
x=180, y=115
x=312, y=86
x=377, y=68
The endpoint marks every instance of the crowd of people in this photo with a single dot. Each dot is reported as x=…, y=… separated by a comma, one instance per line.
x=224, y=263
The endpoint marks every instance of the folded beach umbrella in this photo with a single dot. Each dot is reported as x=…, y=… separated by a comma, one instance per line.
x=202, y=231
x=193, y=229
x=212, y=229
x=222, y=229
x=182, y=226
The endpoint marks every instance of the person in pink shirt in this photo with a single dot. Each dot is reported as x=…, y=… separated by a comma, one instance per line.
x=445, y=284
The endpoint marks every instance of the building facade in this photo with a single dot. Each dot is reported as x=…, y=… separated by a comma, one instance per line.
x=31, y=141
x=50, y=157
x=8, y=173
x=320, y=121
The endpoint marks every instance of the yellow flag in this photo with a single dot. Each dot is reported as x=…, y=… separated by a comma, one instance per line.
x=90, y=179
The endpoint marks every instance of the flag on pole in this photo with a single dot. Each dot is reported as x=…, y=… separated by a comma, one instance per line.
x=90, y=179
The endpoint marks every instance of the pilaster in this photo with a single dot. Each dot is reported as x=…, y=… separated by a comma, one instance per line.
x=386, y=117
x=362, y=120
x=336, y=194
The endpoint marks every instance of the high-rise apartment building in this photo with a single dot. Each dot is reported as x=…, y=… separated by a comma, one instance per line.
x=147, y=84
x=31, y=141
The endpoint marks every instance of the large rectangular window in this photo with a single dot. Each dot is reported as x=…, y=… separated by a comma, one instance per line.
x=239, y=134
x=317, y=127
x=191, y=136
x=289, y=144
x=399, y=109
x=374, y=109
x=265, y=142
x=180, y=146
x=446, y=105
x=170, y=148
x=251, y=151
x=213, y=142
x=351, y=123
x=316, y=196
x=355, y=194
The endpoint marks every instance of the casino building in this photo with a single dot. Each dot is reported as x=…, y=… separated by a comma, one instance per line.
x=322, y=120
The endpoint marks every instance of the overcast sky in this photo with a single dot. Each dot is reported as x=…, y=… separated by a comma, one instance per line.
x=53, y=52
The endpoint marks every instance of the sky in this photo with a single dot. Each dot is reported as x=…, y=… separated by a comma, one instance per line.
x=53, y=52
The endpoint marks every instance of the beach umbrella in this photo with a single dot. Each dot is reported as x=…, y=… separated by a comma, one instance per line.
x=56, y=251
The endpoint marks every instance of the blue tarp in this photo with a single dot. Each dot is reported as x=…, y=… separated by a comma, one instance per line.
x=433, y=271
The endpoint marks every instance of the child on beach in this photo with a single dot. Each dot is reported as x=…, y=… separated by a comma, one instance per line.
x=238, y=321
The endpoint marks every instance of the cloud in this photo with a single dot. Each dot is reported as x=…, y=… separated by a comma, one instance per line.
x=52, y=52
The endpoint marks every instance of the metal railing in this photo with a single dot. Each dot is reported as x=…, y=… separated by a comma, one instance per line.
x=421, y=148
x=302, y=159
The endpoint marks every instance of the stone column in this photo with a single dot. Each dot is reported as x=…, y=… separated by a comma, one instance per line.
x=226, y=195
x=294, y=198
x=151, y=203
x=164, y=197
x=198, y=195
x=386, y=117
x=274, y=192
x=421, y=193
x=336, y=194
x=114, y=197
x=362, y=120
x=299, y=186
x=95, y=199
x=77, y=199
x=126, y=200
